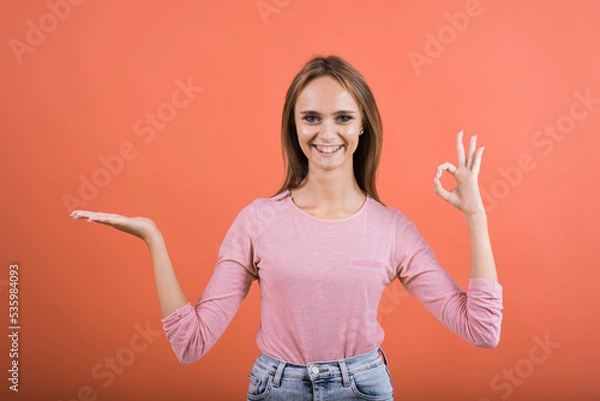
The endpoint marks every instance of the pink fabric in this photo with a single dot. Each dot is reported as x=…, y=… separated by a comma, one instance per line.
x=321, y=281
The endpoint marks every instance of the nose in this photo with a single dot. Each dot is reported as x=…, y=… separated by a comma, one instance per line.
x=328, y=130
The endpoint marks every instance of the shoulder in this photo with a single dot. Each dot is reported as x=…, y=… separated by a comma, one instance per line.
x=262, y=207
x=394, y=218
x=386, y=212
x=263, y=202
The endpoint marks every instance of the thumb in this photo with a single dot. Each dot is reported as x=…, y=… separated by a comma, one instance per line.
x=439, y=190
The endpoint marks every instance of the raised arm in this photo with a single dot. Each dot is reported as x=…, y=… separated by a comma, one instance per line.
x=192, y=331
x=474, y=315
x=467, y=198
x=170, y=295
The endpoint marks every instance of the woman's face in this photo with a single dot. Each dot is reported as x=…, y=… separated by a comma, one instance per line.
x=326, y=114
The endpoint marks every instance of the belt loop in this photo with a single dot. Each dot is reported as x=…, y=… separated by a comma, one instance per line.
x=345, y=377
x=383, y=355
x=278, y=374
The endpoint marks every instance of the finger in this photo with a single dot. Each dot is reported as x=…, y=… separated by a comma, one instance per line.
x=77, y=212
x=472, y=151
x=477, y=161
x=439, y=190
x=107, y=218
x=447, y=166
x=460, y=149
x=80, y=214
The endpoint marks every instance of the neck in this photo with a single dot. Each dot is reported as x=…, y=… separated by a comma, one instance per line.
x=330, y=188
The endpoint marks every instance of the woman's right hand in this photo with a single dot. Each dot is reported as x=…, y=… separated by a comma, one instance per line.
x=141, y=227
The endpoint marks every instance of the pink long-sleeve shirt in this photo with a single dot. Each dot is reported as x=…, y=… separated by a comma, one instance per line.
x=320, y=284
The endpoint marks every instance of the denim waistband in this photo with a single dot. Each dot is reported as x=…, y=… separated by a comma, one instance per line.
x=316, y=370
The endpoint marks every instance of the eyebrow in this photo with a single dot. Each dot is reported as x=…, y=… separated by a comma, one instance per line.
x=337, y=112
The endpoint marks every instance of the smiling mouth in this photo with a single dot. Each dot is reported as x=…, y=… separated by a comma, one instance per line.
x=327, y=150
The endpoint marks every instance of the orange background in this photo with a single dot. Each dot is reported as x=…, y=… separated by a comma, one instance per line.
x=77, y=95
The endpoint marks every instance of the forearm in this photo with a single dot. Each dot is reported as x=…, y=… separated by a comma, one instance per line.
x=170, y=295
x=482, y=257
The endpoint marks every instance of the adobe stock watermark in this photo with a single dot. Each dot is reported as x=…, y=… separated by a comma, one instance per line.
x=106, y=371
x=37, y=32
x=391, y=297
x=14, y=326
x=435, y=45
x=515, y=376
x=543, y=139
x=145, y=129
x=266, y=8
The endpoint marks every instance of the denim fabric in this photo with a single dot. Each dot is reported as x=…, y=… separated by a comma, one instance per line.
x=363, y=377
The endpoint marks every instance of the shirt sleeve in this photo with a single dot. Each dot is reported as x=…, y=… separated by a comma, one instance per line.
x=474, y=315
x=192, y=331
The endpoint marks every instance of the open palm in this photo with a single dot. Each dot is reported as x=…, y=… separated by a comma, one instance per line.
x=141, y=227
x=465, y=195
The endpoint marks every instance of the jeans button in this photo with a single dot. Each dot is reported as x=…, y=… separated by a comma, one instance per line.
x=315, y=370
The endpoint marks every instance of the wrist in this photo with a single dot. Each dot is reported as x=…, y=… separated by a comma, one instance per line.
x=476, y=216
x=153, y=237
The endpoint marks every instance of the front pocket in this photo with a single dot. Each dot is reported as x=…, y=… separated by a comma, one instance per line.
x=373, y=384
x=259, y=384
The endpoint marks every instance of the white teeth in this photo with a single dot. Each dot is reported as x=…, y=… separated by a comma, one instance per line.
x=328, y=149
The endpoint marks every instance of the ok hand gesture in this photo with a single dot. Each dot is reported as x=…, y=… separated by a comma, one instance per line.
x=465, y=195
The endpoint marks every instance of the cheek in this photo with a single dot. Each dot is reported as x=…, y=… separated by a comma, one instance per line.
x=304, y=134
x=350, y=133
x=350, y=129
x=304, y=129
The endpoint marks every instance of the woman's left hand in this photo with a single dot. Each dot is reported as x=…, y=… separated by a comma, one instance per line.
x=465, y=195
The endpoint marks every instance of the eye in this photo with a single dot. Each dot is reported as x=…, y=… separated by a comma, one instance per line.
x=347, y=118
x=308, y=117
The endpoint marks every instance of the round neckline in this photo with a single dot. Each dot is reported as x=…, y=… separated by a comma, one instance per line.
x=288, y=196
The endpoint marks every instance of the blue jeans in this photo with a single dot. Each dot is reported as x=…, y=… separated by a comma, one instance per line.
x=363, y=377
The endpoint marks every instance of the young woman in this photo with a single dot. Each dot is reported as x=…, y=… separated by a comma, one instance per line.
x=324, y=248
